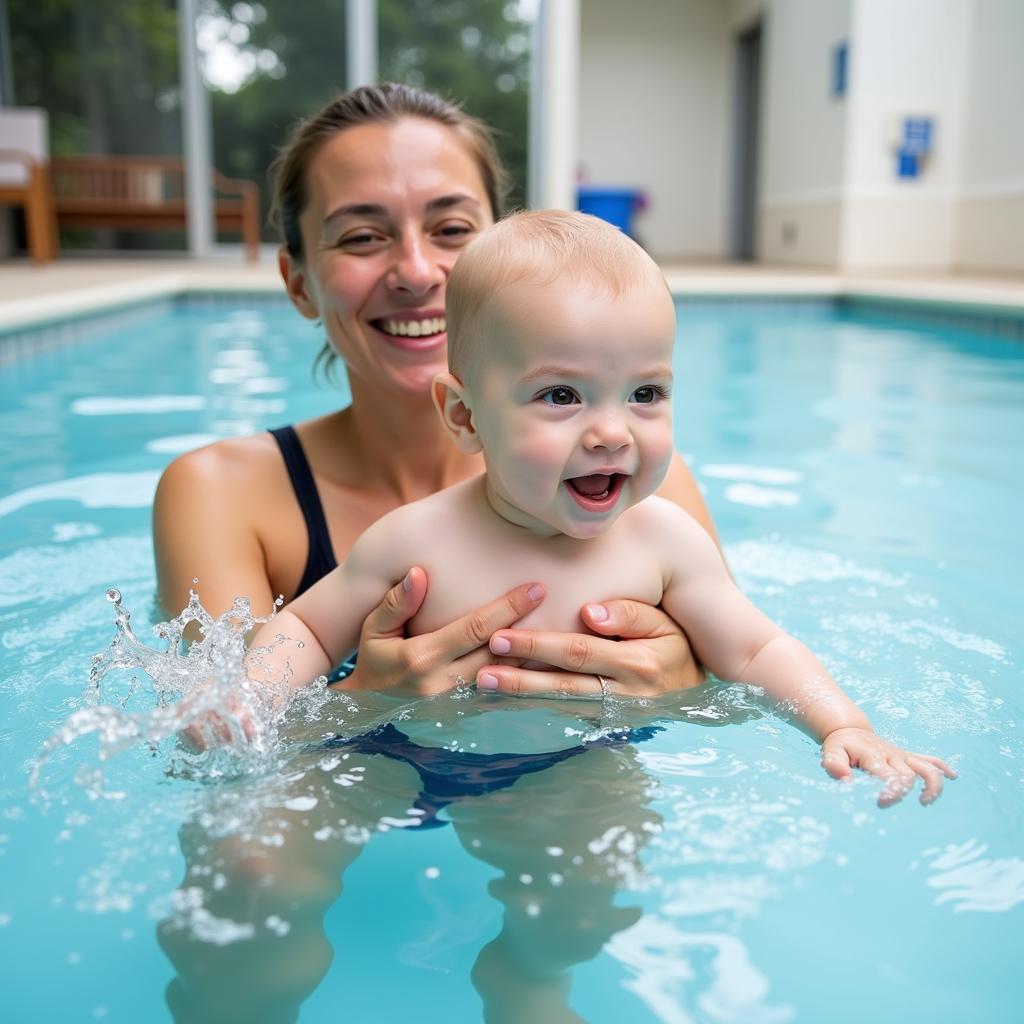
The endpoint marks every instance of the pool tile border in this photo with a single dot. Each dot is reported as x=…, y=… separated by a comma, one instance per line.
x=77, y=317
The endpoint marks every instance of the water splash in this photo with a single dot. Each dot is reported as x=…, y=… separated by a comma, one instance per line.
x=204, y=685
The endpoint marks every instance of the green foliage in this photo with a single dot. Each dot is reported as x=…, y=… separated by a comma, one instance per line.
x=461, y=49
x=473, y=51
x=107, y=70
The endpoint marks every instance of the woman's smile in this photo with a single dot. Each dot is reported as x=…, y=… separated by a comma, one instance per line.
x=414, y=331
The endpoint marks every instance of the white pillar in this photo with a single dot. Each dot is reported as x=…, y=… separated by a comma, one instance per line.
x=554, y=105
x=195, y=131
x=361, y=42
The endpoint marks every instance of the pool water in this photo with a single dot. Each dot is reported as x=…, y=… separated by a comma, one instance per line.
x=864, y=474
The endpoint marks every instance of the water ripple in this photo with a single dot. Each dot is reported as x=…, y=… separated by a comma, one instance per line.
x=972, y=881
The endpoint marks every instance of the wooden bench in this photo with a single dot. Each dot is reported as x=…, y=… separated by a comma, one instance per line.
x=147, y=193
x=30, y=189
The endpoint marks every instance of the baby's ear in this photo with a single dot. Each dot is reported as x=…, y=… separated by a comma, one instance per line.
x=452, y=402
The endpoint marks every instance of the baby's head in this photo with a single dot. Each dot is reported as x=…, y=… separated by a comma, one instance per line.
x=560, y=332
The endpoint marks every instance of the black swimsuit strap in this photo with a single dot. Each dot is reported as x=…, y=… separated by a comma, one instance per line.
x=320, y=560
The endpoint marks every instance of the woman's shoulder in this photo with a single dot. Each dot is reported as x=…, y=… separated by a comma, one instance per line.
x=237, y=468
x=226, y=460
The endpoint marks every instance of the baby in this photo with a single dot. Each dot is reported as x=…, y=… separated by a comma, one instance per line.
x=560, y=343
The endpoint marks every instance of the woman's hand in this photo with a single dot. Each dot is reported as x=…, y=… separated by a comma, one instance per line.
x=650, y=657
x=846, y=749
x=432, y=662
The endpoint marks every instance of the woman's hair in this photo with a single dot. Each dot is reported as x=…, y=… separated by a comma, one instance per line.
x=373, y=104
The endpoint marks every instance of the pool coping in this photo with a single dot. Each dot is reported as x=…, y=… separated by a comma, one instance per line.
x=959, y=296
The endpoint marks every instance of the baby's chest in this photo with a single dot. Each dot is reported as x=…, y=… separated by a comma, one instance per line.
x=464, y=578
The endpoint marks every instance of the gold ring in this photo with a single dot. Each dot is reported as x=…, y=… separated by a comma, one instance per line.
x=606, y=690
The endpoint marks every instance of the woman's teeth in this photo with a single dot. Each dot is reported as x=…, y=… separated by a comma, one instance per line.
x=414, y=328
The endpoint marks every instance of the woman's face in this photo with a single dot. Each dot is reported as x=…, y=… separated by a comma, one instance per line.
x=390, y=208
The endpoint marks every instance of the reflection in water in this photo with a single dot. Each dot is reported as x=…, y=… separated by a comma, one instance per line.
x=265, y=861
x=268, y=845
x=673, y=969
x=972, y=881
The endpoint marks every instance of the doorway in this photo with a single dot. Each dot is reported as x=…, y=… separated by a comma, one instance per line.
x=747, y=113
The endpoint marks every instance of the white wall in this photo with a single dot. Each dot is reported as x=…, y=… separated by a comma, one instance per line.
x=990, y=216
x=803, y=132
x=910, y=57
x=654, y=113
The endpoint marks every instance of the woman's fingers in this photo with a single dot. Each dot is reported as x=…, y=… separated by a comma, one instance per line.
x=400, y=604
x=474, y=629
x=520, y=682
x=631, y=620
x=571, y=652
x=460, y=672
x=432, y=662
x=654, y=643
x=650, y=654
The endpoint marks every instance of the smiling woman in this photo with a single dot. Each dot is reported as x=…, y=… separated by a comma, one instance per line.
x=375, y=272
x=376, y=196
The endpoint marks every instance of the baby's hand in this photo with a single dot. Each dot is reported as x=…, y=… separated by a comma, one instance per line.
x=213, y=729
x=846, y=749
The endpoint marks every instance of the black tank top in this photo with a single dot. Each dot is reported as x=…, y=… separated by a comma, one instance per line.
x=320, y=560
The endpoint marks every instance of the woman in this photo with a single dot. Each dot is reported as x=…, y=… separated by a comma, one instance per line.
x=375, y=196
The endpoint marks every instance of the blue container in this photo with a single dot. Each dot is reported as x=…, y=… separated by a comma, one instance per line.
x=615, y=205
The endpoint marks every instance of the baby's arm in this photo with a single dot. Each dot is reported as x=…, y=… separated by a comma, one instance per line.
x=322, y=625
x=736, y=641
x=320, y=628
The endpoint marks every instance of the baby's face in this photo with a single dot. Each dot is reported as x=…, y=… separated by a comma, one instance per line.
x=571, y=402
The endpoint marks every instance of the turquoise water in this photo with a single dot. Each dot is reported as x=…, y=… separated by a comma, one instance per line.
x=865, y=477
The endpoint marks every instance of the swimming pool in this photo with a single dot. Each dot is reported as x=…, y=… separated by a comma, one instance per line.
x=864, y=475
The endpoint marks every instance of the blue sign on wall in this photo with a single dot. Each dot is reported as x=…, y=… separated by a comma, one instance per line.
x=907, y=165
x=840, y=66
x=915, y=144
x=917, y=135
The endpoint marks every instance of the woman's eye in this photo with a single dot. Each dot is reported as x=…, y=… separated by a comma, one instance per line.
x=559, y=396
x=454, y=232
x=361, y=240
x=648, y=394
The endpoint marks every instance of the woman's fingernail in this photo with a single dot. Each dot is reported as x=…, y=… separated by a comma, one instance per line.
x=597, y=612
x=407, y=582
x=500, y=644
x=485, y=681
x=536, y=592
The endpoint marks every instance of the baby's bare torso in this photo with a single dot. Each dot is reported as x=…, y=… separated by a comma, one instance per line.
x=472, y=556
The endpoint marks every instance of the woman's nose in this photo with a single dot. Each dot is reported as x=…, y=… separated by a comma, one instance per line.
x=416, y=269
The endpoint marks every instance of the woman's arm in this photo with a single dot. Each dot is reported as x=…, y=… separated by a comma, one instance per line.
x=204, y=528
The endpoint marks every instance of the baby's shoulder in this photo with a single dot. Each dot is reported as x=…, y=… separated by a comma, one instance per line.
x=408, y=527
x=656, y=518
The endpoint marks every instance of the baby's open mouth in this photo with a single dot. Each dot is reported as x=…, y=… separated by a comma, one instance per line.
x=425, y=328
x=596, y=492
